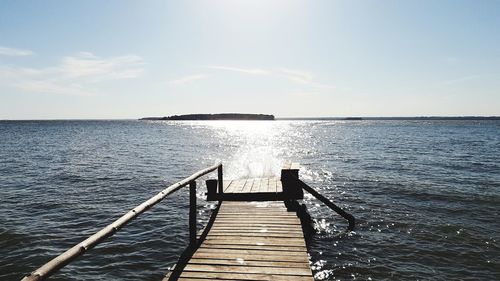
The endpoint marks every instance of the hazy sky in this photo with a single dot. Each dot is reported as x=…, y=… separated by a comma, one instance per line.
x=129, y=59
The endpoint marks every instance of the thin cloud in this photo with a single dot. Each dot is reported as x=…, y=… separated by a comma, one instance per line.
x=73, y=75
x=11, y=52
x=53, y=87
x=322, y=86
x=304, y=94
x=187, y=79
x=252, y=71
x=86, y=65
x=296, y=76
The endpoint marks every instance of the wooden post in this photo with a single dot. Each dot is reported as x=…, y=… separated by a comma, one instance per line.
x=220, y=179
x=211, y=189
x=192, y=213
x=291, y=191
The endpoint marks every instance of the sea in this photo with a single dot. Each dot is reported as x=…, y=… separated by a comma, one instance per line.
x=425, y=193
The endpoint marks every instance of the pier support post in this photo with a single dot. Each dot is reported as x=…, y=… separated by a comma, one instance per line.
x=220, y=180
x=192, y=213
x=211, y=189
x=291, y=190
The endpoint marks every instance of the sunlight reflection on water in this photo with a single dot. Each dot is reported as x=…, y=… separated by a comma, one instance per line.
x=260, y=147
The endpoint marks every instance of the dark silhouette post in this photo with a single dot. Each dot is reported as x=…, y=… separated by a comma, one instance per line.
x=192, y=213
x=220, y=180
x=211, y=189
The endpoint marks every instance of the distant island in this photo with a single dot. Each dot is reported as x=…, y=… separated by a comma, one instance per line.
x=219, y=116
x=353, y=118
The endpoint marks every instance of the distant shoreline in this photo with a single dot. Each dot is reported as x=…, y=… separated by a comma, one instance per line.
x=219, y=116
x=443, y=118
x=420, y=118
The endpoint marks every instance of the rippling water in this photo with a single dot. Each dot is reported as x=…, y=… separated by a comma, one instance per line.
x=426, y=194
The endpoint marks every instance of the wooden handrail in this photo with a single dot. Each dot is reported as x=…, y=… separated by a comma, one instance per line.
x=79, y=249
x=350, y=218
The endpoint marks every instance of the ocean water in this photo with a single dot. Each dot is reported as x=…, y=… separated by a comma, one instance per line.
x=426, y=194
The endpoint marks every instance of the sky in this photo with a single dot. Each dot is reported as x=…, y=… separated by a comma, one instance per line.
x=131, y=59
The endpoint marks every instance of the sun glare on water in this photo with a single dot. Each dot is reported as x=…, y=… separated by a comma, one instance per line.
x=260, y=148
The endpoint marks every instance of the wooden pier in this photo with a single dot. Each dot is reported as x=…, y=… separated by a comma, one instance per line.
x=251, y=235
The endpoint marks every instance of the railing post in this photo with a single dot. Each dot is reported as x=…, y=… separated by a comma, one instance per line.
x=192, y=213
x=220, y=179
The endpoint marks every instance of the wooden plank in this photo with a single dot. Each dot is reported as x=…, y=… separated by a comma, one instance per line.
x=257, y=224
x=286, y=165
x=269, y=224
x=272, y=185
x=240, y=262
x=243, y=276
x=264, y=251
x=253, y=230
x=279, y=187
x=253, y=240
x=261, y=227
x=248, y=186
x=229, y=239
x=258, y=217
x=269, y=241
x=258, y=257
x=198, y=279
x=256, y=185
x=253, y=205
x=277, y=215
x=238, y=235
x=236, y=186
x=249, y=231
x=259, y=211
x=288, y=248
x=241, y=185
x=255, y=209
x=264, y=211
x=230, y=187
x=248, y=269
x=250, y=216
x=227, y=184
x=263, y=185
x=261, y=220
x=233, y=213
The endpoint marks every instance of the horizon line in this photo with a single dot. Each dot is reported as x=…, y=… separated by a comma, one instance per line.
x=285, y=118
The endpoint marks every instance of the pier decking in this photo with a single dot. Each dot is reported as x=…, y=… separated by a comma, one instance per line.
x=253, y=189
x=250, y=241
